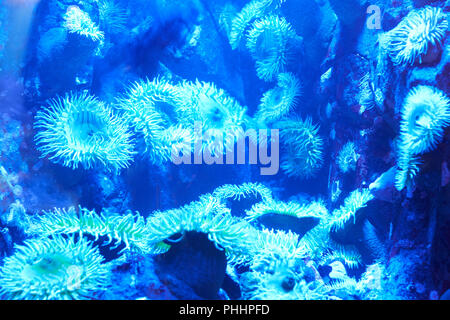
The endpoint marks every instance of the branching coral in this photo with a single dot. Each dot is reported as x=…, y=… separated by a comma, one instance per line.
x=425, y=114
x=53, y=268
x=80, y=130
x=220, y=116
x=279, y=101
x=77, y=21
x=128, y=229
x=244, y=190
x=271, y=41
x=413, y=35
x=303, y=147
x=347, y=157
x=207, y=216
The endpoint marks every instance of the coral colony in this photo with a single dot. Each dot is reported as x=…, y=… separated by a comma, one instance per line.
x=258, y=149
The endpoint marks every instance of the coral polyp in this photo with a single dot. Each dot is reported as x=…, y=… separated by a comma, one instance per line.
x=419, y=30
x=79, y=130
x=53, y=269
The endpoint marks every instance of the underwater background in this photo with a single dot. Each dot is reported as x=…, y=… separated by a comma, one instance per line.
x=226, y=149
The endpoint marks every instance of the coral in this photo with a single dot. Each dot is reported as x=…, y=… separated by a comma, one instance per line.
x=128, y=229
x=77, y=21
x=270, y=42
x=347, y=157
x=415, y=33
x=244, y=190
x=206, y=216
x=113, y=18
x=355, y=201
x=279, y=101
x=220, y=116
x=303, y=147
x=53, y=268
x=80, y=130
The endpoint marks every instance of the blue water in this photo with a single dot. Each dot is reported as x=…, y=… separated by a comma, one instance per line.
x=254, y=150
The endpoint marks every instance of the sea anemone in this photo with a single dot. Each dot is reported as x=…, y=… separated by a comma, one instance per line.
x=355, y=201
x=314, y=209
x=347, y=157
x=253, y=10
x=53, y=269
x=79, y=22
x=206, y=216
x=113, y=17
x=412, y=36
x=220, y=116
x=129, y=229
x=283, y=284
x=276, y=247
x=245, y=190
x=302, y=146
x=407, y=169
x=80, y=130
x=425, y=114
x=279, y=101
x=270, y=41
